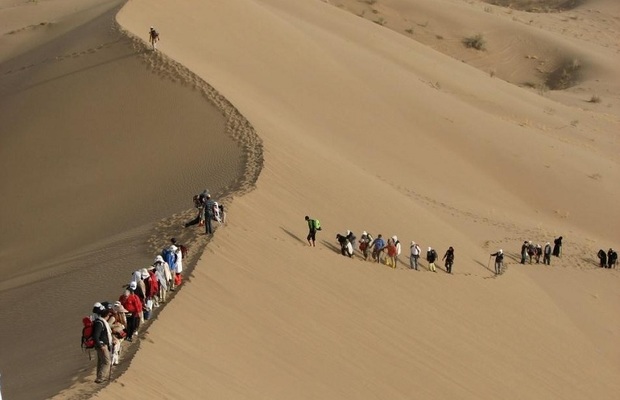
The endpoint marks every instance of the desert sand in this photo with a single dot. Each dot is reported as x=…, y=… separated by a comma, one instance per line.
x=369, y=127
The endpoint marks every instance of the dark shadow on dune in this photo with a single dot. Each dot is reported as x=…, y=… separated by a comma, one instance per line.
x=331, y=246
x=487, y=267
x=538, y=6
x=291, y=234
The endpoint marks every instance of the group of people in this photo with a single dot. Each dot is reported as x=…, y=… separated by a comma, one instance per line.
x=607, y=260
x=209, y=211
x=533, y=252
x=113, y=322
x=380, y=250
x=387, y=252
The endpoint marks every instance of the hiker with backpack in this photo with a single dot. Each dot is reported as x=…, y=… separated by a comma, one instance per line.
x=449, y=257
x=199, y=204
x=133, y=305
x=162, y=271
x=415, y=255
x=364, y=246
x=431, y=256
x=102, y=337
x=547, y=254
x=209, y=214
x=499, y=261
x=377, y=246
x=153, y=38
x=313, y=226
x=346, y=249
x=398, y=248
x=351, y=238
x=391, y=251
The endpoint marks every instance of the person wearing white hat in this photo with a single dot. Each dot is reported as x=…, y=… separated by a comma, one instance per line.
x=102, y=335
x=547, y=254
x=133, y=305
x=365, y=241
x=431, y=256
x=398, y=248
x=499, y=260
x=153, y=37
x=415, y=255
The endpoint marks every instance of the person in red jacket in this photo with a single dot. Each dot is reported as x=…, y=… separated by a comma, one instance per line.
x=133, y=305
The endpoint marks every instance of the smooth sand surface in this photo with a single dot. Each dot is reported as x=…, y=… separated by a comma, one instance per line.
x=366, y=128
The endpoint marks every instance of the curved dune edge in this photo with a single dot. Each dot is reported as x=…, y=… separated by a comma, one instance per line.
x=242, y=131
x=268, y=317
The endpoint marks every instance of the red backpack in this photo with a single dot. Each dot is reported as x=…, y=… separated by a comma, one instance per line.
x=88, y=341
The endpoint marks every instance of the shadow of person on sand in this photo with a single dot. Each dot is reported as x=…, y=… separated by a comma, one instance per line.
x=291, y=234
x=487, y=267
x=331, y=246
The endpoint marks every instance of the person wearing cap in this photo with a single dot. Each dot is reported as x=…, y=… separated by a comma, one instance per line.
x=153, y=37
x=364, y=246
x=351, y=238
x=133, y=305
x=391, y=251
x=431, y=256
x=547, y=254
x=163, y=274
x=398, y=249
x=499, y=260
x=415, y=255
x=102, y=334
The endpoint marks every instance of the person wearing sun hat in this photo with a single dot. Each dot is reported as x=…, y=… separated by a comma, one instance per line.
x=102, y=334
x=133, y=305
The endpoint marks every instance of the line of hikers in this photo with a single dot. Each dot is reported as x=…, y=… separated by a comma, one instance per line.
x=111, y=323
x=387, y=252
x=535, y=252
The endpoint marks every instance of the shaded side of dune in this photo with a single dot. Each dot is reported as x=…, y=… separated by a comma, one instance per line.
x=99, y=159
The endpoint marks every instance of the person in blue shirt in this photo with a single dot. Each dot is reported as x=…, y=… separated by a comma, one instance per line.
x=377, y=246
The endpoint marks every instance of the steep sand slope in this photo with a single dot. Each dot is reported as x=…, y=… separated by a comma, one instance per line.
x=367, y=129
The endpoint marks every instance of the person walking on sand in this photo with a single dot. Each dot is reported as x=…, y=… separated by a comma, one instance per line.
x=153, y=38
x=398, y=249
x=365, y=241
x=547, y=254
x=499, y=261
x=209, y=215
x=392, y=252
x=351, y=238
x=102, y=335
x=431, y=256
x=449, y=257
x=415, y=255
x=602, y=257
x=557, y=247
x=133, y=305
x=612, y=258
x=377, y=246
x=524, y=248
x=199, y=204
x=345, y=246
x=313, y=226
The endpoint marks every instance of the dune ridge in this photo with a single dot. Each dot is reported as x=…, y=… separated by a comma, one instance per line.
x=366, y=129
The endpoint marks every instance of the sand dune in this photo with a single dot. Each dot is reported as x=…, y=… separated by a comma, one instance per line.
x=368, y=129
